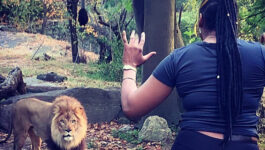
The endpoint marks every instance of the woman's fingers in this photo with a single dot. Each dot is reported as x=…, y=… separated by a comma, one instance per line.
x=124, y=38
x=136, y=39
x=132, y=37
x=147, y=56
x=141, y=43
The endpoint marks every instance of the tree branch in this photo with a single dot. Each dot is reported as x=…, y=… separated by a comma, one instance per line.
x=255, y=14
x=128, y=22
x=101, y=21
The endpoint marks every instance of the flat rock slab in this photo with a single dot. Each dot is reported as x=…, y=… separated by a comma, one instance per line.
x=101, y=105
x=11, y=40
x=33, y=81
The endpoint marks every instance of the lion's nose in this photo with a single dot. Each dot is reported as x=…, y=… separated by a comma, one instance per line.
x=68, y=130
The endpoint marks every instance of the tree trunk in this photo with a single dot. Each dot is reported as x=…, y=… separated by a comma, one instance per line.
x=157, y=20
x=102, y=51
x=105, y=54
x=178, y=41
x=45, y=18
x=138, y=7
x=159, y=29
x=74, y=42
x=72, y=9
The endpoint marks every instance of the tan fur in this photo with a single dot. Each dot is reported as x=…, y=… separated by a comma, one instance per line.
x=64, y=121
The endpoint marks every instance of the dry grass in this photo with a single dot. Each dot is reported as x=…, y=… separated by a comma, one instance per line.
x=20, y=56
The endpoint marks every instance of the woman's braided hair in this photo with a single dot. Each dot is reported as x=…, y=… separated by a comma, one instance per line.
x=221, y=16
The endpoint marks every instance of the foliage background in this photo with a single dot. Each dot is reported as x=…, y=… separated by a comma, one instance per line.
x=27, y=15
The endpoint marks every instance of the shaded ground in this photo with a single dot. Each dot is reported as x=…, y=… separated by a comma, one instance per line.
x=99, y=136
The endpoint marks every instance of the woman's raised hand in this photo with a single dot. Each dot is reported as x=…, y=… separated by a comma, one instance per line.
x=133, y=51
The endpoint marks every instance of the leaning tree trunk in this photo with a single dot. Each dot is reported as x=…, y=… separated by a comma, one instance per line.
x=72, y=10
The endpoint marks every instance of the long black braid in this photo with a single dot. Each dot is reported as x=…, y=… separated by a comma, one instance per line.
x=229, y=71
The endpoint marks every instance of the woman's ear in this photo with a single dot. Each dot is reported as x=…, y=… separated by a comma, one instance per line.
x=200, y=21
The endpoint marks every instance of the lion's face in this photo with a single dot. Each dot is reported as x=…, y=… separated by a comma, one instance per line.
x=69, y=124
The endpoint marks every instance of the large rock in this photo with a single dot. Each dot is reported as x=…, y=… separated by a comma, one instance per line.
x=101, y=105
x=155, y=129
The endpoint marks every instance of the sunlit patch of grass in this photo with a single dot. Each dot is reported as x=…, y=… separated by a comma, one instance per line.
x=79, y=75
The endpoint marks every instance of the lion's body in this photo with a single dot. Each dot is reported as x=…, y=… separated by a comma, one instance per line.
x=62, y=124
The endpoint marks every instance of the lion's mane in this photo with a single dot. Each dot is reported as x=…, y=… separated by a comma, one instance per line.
x=62, y=124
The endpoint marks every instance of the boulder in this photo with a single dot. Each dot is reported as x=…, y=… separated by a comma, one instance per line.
x=101, y=105
x=155, y=129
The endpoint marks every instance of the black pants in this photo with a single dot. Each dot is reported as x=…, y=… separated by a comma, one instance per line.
x=192, y=140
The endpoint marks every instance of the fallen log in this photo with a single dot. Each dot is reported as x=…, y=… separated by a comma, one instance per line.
x=13, y=84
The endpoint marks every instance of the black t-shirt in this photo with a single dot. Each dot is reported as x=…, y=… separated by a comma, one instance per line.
x=193, y=71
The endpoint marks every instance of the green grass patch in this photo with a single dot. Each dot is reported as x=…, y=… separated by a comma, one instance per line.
x=129, y=136
x=91, y=145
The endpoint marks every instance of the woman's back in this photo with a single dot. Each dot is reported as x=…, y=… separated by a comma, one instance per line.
x=193, y=70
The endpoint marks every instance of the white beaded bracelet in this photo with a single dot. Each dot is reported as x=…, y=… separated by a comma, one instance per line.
x=128, y=67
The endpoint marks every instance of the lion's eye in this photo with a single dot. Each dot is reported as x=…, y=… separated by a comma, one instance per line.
x=73, y=121
x=61, y=121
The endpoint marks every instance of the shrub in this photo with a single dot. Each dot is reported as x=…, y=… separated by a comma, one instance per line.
x=23, y=14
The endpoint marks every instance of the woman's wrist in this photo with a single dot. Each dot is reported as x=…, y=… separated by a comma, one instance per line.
x=129, y=74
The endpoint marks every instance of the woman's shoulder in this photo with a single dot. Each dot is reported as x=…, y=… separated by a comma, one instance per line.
x=187, y=48
x=251, y=49
x=248, y=44
x=193, y=49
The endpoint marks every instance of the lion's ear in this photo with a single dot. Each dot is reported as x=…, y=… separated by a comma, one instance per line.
x=79, y=110
x=56, y=109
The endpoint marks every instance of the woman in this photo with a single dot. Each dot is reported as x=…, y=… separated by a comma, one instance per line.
x=220, y=80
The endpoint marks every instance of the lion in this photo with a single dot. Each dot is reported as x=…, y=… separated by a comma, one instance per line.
x=61, y=124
